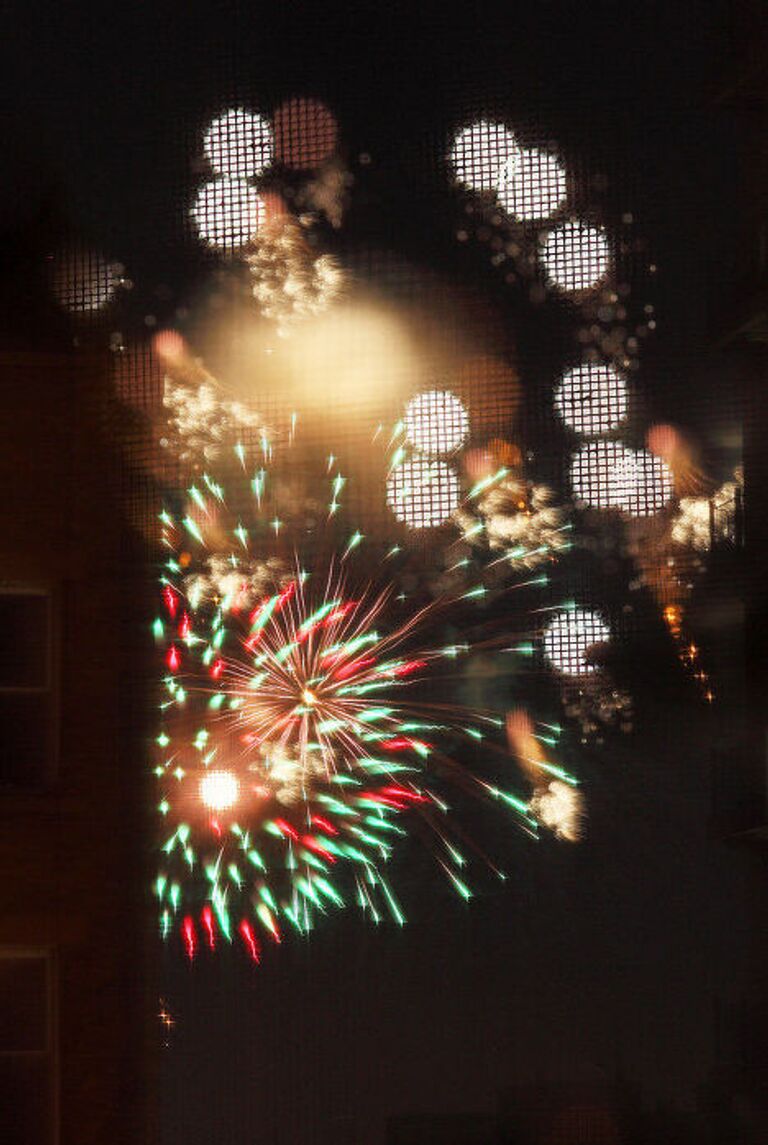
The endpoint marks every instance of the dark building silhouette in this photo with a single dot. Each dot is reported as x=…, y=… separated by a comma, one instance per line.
x=74, y=981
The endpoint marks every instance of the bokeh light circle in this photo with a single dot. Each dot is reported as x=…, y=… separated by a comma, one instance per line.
x=423, y=494
x=306, y=133
x=576, y=256
x=649, y=483
x=480, y=151
x=436, y=422
x=532, y=184
x=601, y=474
x=83, y=282
x=239, y=144
x=609, y=475
x=219, y=790
x=592, y=399
x=227, y=213
x=569, y=638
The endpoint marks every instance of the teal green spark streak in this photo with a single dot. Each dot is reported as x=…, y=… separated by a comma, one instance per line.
x=486, y=482
x=193, y=529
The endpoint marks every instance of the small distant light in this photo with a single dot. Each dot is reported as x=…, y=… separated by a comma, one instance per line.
x=227, y=213
x=569, y=638
x=576, y=256
x=423, y=494
x=239, y=144
x=219, y=790
x=591, y=399
x=479, y=152
x=436, y=422
x=532, y=185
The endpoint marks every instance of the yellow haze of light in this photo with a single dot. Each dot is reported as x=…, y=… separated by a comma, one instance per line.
x=351, y=357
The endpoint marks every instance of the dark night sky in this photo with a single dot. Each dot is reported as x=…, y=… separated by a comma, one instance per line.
x=608, y=958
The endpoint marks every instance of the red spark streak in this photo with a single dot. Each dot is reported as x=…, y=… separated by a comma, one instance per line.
x=402, y=742
x=190, y=936
x=324, y=825
x=250, y=940
x=285, y=595
x=404, y=793
x=172, y=659
x=185, y=627
x=171, y=600
x=411, y=666
x=286, y=829
x=312, y=844
x=207, y=920
x=348, y=670
x=340, y=613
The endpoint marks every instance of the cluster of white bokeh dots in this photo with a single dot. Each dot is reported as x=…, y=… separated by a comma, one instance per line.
x=424, y=492
x=228, y=211
x=570, y=638
x=531, y=185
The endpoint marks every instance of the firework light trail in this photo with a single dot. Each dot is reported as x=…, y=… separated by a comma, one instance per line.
x=295, y=747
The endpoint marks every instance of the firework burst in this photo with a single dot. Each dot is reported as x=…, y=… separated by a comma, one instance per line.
x=299, y=739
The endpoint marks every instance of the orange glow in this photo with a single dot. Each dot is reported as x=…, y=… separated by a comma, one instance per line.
x=306, y=133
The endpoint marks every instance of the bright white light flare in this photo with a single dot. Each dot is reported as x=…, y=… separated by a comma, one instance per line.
x=436, y=422
x=570, y=637
x=227, y=213
x=608, y=475
x=560, y=807
x=532, y=184
x=219, y=790
x=423, y=494
x=479, y=152
x=239, y=144
x=650, y=484
x=592, y=399
x=576, y=256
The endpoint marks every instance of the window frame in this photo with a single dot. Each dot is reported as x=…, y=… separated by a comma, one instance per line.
x=49, y=1055
x=49, y=770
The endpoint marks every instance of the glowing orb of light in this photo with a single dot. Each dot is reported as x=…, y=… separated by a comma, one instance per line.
x=219, y=790
x=602, y=475
x=591, y=399
x=423, y=494
x=83, y=281
x=648, y=482
x=479, y=152
x=436, y=422
x=532, y=184
x=239, y=144
x=664, y=441
x=609, y=475
x=306, y=133
x=227, y=213
x=576, y=256
x=570, y=636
